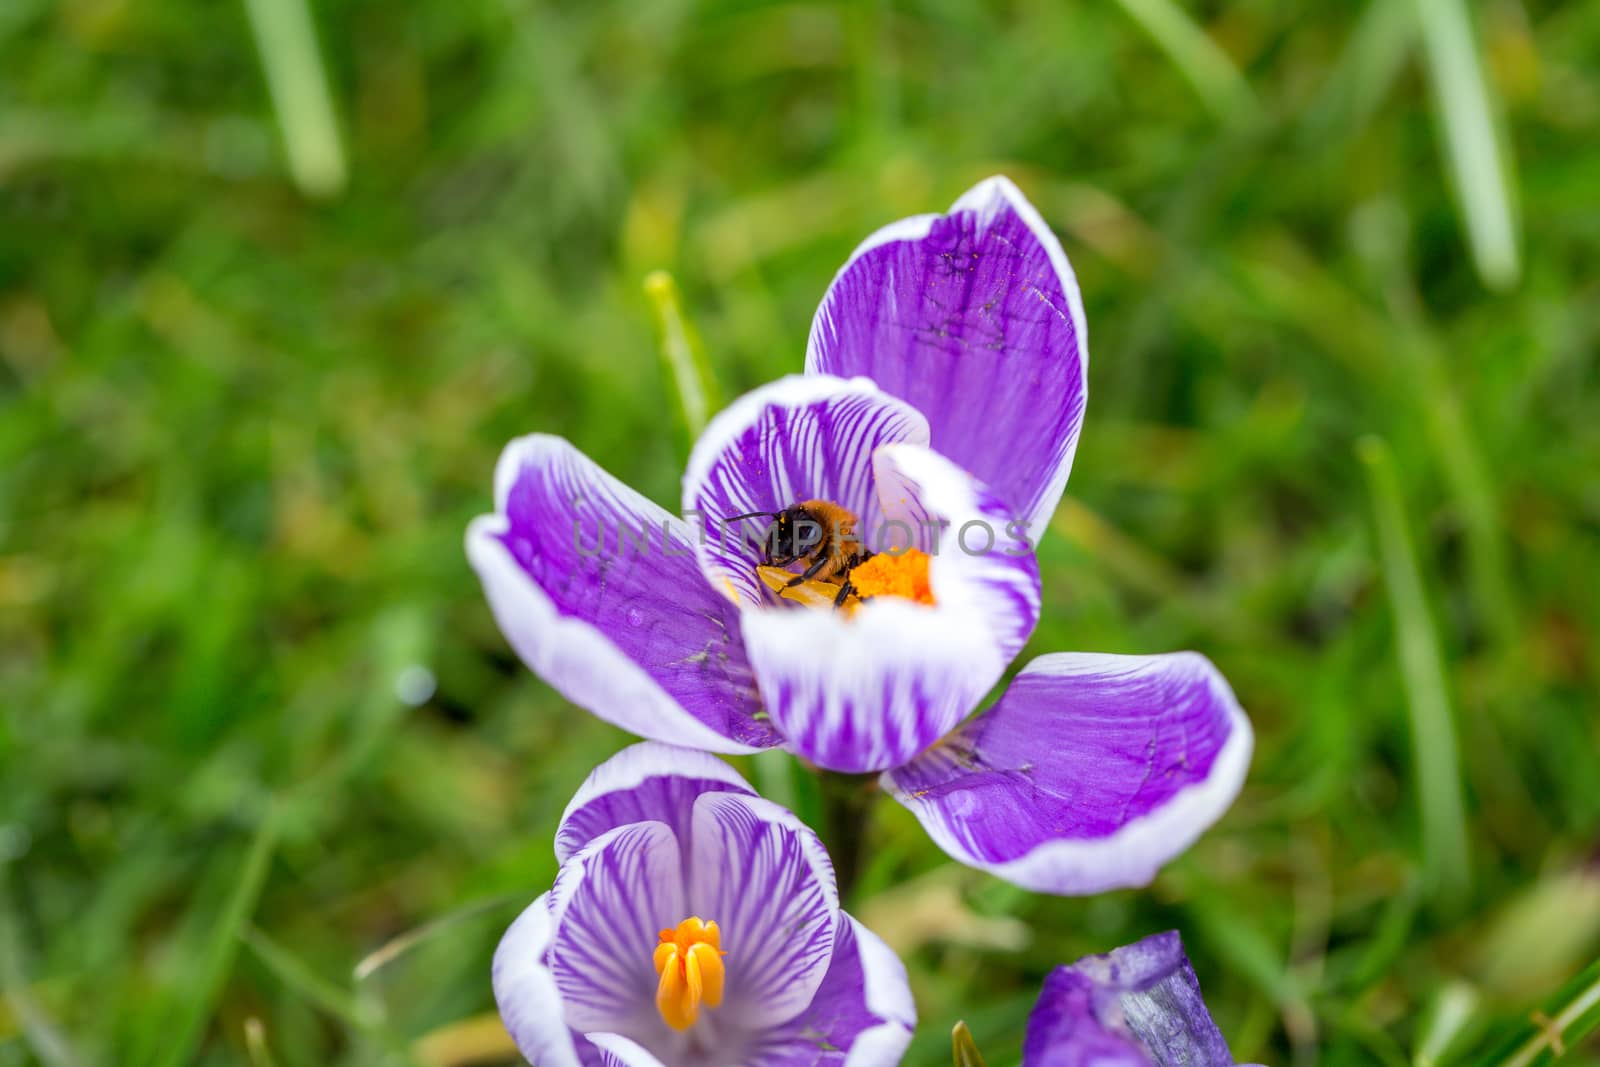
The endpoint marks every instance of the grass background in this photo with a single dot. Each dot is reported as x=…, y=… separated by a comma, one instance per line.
x=256, y=365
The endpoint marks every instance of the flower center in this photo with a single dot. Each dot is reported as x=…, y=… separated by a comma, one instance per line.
x=689, y=961
x=813, y=556
x=902, y=573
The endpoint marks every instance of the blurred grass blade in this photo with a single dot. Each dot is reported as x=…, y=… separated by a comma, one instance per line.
x=298, y=976
x=1237, y=938
x=681, y=353
x=1369, y=65
x=255, y=1043
x=965, y=1047
x=482, y=1039
x=1433, y=737
x=398, y=946
x=298, y=84
x=1197, y=57
x=1571, y=1016
x=361, y=1014
x=39, y=1032
x=1544, y=934
x=1476, y=159
x=187, y=1031
x=1449, y=1016
x=1386, y=943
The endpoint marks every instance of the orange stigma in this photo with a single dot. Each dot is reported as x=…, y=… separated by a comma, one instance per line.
x=902, y=573
x=689, y=961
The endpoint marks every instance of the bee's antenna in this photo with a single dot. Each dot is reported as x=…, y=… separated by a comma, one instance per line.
x=752, y=515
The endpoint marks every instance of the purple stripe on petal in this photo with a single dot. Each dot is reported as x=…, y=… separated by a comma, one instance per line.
x=861, y=1016
x=796, y=439
x=598, y=590
x=526, y=992
x=975, y=319
x=644, y=782
x=1138, y=1006
x=1089, y=773
x=609, y=903
x=871, y=690
x=767, y=882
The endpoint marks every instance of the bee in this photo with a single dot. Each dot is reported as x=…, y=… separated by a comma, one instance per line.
x=819, y=533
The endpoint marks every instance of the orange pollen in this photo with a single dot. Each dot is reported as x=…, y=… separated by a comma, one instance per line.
x=903, y=573
x=689, y=961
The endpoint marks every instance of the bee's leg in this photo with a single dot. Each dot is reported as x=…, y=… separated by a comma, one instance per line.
x=809, y=573
x=846, y=591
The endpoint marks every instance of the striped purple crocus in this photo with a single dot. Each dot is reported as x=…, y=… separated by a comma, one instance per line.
x=940, y=410
x=693, y=922
x=1137, y=1006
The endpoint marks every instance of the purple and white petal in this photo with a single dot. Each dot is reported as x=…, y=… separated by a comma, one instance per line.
x=1138, y=1006
x=861, y=1016
x=768, y=883
x=608, y=906
x=1089, y=773
x=525, y=991
x=974, y=318
x=644, y=782
x=804, y=437
x=599, y=592
x=618, y=1051
x=983, y=563
x=870, y=690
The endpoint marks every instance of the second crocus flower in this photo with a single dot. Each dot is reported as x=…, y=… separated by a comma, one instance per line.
x=694, y=923
x=1137, y=1006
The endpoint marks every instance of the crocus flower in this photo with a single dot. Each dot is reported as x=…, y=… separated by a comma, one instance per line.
x=693, y=922
x=940, y=409
x=1138, y=1006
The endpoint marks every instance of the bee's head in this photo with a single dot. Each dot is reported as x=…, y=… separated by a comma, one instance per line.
x=795, y=532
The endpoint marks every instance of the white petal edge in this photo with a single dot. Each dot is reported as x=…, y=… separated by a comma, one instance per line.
x=633, y=700
x=525, y=990
x=888, y=996
x=623, y=1051
x=1143, y=846
x=629, y=769
x=984, y=200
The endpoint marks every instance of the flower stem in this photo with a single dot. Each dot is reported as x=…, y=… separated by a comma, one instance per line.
x=846, y=809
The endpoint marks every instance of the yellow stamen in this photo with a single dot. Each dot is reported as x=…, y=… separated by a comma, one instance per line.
x=689, y=961
x=902, y=573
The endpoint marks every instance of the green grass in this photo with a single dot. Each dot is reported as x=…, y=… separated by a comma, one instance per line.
x=255, y=368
